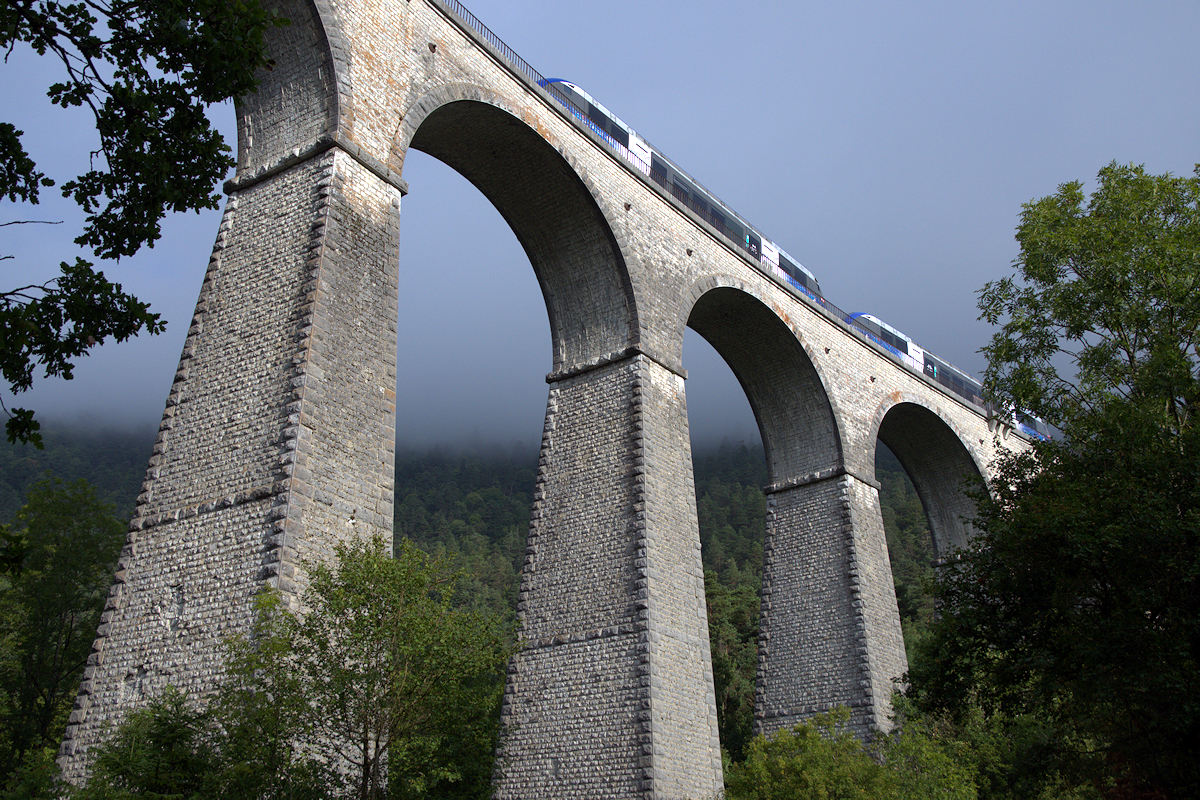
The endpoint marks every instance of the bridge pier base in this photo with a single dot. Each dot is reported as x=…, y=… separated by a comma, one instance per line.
x=612, y=694
x=277, y=440
x=830, y=632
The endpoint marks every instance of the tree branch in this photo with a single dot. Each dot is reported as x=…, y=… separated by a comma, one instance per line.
x=30, y=222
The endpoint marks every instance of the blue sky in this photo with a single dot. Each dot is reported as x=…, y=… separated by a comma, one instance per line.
x=888, y=146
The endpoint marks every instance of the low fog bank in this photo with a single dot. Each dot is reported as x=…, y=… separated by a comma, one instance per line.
x=135, y=438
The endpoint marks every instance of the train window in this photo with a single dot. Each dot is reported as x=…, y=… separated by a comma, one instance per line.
x=604, y=121
x=620, y=135
x=722, y=224
x=795, y=272
x=606, y=124
x=658, y=170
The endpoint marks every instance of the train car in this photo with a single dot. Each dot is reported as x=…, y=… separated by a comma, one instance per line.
x=909, y=352
x=887, y=337
x=607, y=125
x=1031, y=425
x=954, y=379
x=644, y=158
x=947, y=375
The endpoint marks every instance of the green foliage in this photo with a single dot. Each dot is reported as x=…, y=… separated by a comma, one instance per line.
x=1079, y=602
x=261, y=712
x=35, y=777
x=145, y=71
x=474, y=509
x=1003, y=757
x=820, y=759
x=1023, y=757
x=52, y=324
x=910, y=546
x=732, y=510
x=477, y=509
x=817, y=759
x=393, y=669
x=925, y=764
x=1105, y=301
x=733, y=614
x=1073, y=618
x=59, y=554
x=165, y=751
x=382, y=688
x=113, y=462
x=174, y=749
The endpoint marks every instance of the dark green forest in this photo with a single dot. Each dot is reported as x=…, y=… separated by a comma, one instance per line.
x=113, y=461
x=473, y=507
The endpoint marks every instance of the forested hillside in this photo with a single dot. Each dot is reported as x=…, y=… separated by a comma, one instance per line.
x=475, y=507
x=113, y=461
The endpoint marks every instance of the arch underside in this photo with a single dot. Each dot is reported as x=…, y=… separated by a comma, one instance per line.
x=554, y=216
x=940, y=467
x=794, y=416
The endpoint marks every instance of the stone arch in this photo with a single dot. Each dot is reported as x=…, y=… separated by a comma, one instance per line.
x=829, y=631
x=293, y=109
x=550, y=206
x=796, y=416
x=939, y=459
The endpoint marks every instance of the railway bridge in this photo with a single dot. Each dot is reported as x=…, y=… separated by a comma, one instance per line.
x=278, y=436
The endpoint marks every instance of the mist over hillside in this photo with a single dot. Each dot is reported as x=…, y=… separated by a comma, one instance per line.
x=113, y=458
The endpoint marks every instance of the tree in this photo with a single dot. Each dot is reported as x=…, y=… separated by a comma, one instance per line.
x=165, y=751
x=383, y=687
x=145, y=70
x=733, y=619
x=818, y=758
x=59, y=556
x=394, y=671
x=1105, y=304
x=260, y=718
x=821, y=758
x=1078, y=602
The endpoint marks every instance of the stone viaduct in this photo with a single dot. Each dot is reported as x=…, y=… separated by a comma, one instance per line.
x=278, y=435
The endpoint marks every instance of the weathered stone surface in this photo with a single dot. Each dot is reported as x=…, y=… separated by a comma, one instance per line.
x=277, y=438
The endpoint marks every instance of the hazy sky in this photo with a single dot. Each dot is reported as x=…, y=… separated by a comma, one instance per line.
x=887, y=146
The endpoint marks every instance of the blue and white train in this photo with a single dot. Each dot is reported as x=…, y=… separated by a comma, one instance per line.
x=773, y=259
x=909, y=352
x=653, y=164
